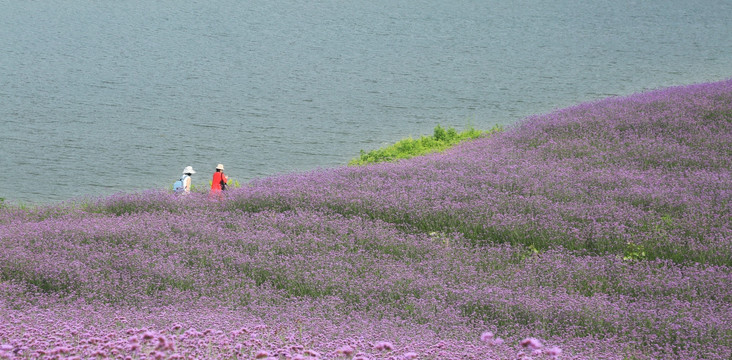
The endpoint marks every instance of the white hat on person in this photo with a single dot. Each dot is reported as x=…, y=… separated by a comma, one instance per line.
x=220, y=167
x=189, y=170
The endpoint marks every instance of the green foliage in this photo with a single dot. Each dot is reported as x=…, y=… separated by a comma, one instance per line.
x=634, y=252
x=440, y=140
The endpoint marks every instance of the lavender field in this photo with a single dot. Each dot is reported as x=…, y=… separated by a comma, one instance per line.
x=600, y=231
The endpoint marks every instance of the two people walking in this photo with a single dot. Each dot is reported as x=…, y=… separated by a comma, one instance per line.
x=219, y=182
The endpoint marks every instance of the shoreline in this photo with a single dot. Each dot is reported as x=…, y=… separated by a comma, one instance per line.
x=9, y=201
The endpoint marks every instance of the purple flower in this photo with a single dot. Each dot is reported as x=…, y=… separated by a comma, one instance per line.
x=410, y=355
x=486, y=336
x=346, y=350
x=312, y=353
x=531, y=343
x=554, y=351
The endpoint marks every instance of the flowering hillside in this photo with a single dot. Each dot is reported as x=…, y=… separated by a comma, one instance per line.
x=600, y=231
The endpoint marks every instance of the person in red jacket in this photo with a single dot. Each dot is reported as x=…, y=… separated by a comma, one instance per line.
x=219, y=180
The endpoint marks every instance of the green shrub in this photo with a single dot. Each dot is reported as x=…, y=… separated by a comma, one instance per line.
x=440, y=140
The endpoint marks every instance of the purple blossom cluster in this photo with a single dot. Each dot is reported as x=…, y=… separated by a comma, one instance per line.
x=598, y=231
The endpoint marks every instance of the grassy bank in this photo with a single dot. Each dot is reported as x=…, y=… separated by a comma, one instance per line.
x=441, y=140
x=599, y=231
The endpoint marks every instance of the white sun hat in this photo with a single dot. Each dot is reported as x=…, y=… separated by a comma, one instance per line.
x=189, y=170
x=220, y=166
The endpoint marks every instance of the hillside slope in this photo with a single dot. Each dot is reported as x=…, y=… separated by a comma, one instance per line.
x=602, y=230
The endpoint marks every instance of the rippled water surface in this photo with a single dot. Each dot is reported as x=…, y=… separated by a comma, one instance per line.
x=103, y=97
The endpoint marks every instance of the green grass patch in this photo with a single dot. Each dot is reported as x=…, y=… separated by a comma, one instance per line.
x=442, y=139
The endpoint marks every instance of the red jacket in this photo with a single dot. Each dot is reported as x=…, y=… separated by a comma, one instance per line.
x=216, y=182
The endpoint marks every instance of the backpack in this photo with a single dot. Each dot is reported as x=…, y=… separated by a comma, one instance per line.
x=178, y=185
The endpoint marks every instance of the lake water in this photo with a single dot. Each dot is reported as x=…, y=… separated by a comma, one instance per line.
x=119, y=96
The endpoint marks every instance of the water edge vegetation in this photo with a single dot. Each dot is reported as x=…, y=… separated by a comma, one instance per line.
x=441, y=140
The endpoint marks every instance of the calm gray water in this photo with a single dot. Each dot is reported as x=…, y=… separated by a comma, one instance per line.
x=118, y=96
